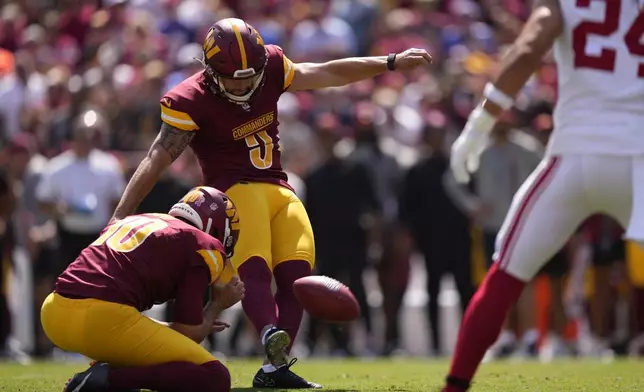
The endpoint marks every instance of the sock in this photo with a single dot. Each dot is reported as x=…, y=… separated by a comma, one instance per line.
x=173, y=376
x=265, y=334
x=258, y=303
x=530, y=336
x=269, y=368
x=482, y=324
x=506, y=338
x=289, y=308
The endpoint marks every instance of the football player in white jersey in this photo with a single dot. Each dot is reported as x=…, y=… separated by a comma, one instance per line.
x=594, y=161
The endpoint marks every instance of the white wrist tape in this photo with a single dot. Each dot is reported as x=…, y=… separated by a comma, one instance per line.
x=480, y=122
x=497, y=96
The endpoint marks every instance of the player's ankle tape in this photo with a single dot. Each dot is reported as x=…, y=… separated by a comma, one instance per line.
x=458, y=382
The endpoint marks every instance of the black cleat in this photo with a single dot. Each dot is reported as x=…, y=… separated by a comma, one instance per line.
x=282, y=378
x=277, y=342
x=94, y=379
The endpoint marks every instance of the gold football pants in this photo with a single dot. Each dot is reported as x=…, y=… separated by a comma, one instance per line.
x=114, y=333
x=273, y=225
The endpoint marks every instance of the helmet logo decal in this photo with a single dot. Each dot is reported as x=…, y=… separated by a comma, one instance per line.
x=260, y=40
x=194, y=196
x=200, y=201
x=231, y=213
x=208, y=45
x=214, y=206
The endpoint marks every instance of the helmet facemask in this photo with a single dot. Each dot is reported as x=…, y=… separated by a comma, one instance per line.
x=230, y=239
x=254, y=80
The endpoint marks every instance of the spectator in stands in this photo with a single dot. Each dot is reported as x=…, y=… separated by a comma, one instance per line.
x=386, y=248
x=120, y=55
x=322, y=35
x=12, y=92
x=80, y=188
x=439, y=227
x=505, y=164
x=33, y=231
x=342, y=205
x=297, y=141
x=6, y=208
x=36, y=232
x=608, y=248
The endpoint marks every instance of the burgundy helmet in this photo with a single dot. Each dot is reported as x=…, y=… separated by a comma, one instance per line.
x=235, y=59
x=212, y=212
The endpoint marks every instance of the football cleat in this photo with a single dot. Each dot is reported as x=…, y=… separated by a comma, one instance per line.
x=94, y=379
x=282, y=378
x=275, y=346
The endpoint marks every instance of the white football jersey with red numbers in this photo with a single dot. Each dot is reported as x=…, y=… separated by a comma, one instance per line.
x=600, y=62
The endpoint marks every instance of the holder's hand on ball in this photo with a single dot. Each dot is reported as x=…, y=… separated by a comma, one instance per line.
x=229, y=294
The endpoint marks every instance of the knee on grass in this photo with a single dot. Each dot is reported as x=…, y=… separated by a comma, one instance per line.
x=214, y=378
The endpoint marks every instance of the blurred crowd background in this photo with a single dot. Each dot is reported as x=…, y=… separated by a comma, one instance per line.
x=79, y=90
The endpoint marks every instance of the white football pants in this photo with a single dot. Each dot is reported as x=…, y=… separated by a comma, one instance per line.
x=558, y=196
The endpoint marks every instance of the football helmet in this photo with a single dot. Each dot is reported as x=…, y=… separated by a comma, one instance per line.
x=212, y=212
x=235, y=59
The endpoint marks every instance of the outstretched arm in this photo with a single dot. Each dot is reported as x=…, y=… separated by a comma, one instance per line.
x=335, y=73
x=525, y=54
x=521, y=61
x=167, y=147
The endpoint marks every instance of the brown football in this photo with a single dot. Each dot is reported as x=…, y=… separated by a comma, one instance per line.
x=326, y=299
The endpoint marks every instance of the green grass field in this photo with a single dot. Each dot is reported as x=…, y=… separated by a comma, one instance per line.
x=403, y=375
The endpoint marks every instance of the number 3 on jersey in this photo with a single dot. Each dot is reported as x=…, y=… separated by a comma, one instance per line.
x=605, y=61
x=255, y=143
x=129, y=233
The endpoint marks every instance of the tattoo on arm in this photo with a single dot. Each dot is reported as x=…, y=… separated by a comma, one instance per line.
x=174, y=141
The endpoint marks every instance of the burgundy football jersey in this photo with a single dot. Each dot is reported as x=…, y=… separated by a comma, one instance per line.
x=141, y=260
x=234, y=143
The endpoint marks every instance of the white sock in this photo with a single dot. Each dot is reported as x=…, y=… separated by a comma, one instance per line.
x=269, y=368
x=530, y=336
x=269, y=329
x=506, y=338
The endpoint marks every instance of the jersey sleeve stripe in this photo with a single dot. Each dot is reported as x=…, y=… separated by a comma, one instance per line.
x=214, y=261
x=289, y=72
x=175, y=113
x=178, y=119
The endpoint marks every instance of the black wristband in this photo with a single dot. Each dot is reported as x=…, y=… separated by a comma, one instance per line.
x=391, y=61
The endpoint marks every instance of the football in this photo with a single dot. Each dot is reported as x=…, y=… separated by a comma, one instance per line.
x=326, y=299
